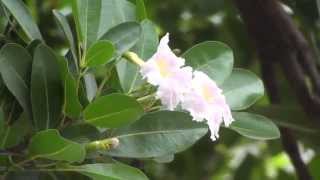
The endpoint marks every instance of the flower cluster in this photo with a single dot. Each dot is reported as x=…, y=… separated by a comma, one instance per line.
x=193, y=90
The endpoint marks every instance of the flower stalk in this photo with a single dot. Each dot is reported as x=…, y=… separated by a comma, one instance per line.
x=102, y=145
x=134, y=58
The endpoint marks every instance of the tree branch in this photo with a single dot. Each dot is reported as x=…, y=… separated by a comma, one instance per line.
x=278, y=40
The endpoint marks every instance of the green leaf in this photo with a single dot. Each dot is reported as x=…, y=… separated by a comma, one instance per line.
x=164, y=159
x=49, y=144
x=46, y=88
x=157, y=134
x=72, y=105
x=99, y=53
x=141, y=10
x=65, y=27
x=254, y=126
x=213, y=58
x=2, y=123
x=242, y=89
x=114, y=12
x=20, y=12
x=113, y=111
x=15, y=66
x=114, y=171
x=289, y=117
x=87, y=18
x=128, y=72
x=124, y=36
x=81, y=132
x=91, y=86
x=13, y=134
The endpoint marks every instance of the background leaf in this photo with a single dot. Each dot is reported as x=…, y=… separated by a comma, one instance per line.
x=50, y=145
x=128, y=72
x=254, y=126
x=124, y=36
x=87, y=18
x=157, y=134
x=20, y=12
x=99, y=53
x=66, y=29
x=213, y=58
x=13, y=134
x=46, y=88
x=117, y=171
x=72, y=105
x=113, y=111
x=90, y=85
x=114, y=12
x=15, y=68
x=141, y=10
x=242, y=89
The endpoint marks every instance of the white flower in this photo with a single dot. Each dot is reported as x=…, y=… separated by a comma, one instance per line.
x=164, y=69
x=205, y=101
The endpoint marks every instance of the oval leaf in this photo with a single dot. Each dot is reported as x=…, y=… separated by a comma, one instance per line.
x=114, y=12
x=99, y=53
x=213, y=58
x=20, y=12
x=46, y=88
x=128, y=72
x=157, y=134
x=254, y=126
x=113, y=111
x=116, y=171
x=90, y=85
x=124, y=36
x=242, y=89
x=87, y=18
x=72, y=105
x=15, y=67
x=49, y=144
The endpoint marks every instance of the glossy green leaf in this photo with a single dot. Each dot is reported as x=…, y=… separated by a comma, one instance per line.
x=114, y=12
x=129, y=73
x=157, y=134
x=46, y=88
x=20, y=12
x=141, y=10
x=99, y=53
x=242, y=89
x=91, y=86
x=87, y=18
x=72, y=105
x=49, y=144
x=254, y=126
x=66, y=29
x=15, y=67
x=124, y=36
x=113, y=111
x=213, y=58
x=112, y=171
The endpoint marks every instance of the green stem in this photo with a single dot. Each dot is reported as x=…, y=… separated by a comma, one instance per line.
x=147, y=97
x=103, y=82
x=133, y=57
